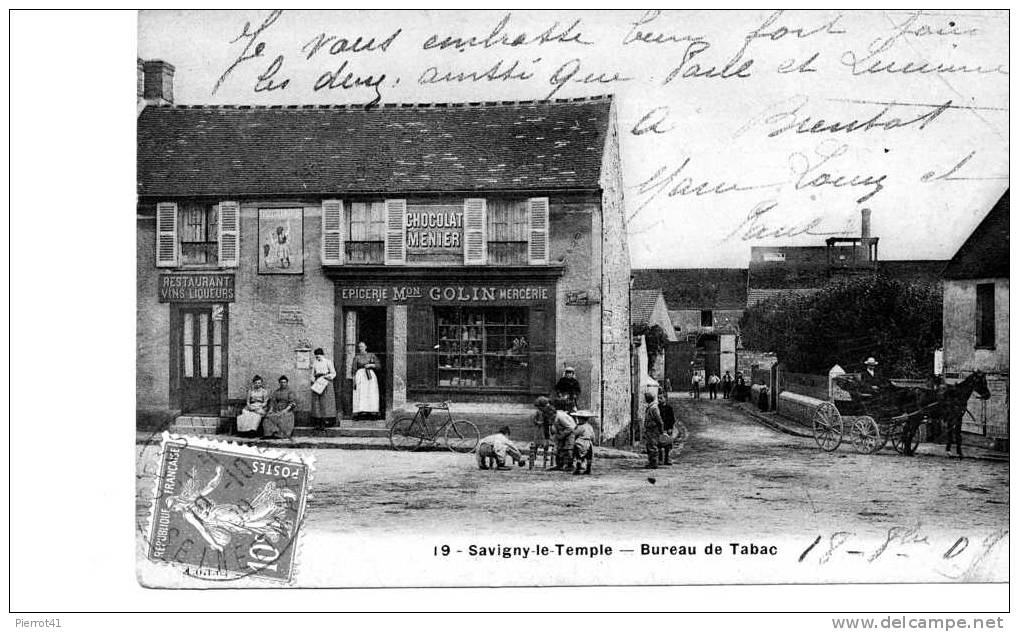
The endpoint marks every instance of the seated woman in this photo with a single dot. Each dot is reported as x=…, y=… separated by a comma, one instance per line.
x=279, y=421
x=255, y=408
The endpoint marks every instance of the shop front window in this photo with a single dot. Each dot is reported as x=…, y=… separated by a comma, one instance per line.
x=482, y=348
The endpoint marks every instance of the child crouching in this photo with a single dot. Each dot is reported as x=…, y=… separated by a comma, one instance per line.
x=493, y=450
x=583, y=445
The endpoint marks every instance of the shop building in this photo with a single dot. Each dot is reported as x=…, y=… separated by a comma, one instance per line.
x=476, y=249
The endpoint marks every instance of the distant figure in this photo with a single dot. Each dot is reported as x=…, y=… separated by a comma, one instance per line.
x=652, y=431
x=668, y=425
x=695, y=386
x=568, y=387
x=740, y=386
x=713, y=386
x=726, y=385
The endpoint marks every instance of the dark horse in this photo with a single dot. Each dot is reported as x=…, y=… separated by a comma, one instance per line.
x=946, y=404
x=954, y=401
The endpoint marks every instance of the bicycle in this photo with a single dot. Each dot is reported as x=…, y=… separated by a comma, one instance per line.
x=408, y=433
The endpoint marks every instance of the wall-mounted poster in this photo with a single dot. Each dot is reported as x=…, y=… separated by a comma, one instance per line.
x=280, y=241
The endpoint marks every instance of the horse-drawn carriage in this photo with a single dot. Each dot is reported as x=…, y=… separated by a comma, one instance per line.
x=877, y=414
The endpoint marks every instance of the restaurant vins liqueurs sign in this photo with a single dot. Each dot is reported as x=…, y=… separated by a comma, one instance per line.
x=196, y=288
x=445, y=294
x=434, y=230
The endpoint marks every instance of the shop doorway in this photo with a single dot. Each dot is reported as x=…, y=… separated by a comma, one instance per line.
x=367, y=325
x=199, y=341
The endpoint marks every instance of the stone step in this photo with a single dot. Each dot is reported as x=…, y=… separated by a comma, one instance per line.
x=343, y=431
x=194, y=425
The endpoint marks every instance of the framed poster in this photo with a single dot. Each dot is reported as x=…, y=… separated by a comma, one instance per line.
x=280, y=241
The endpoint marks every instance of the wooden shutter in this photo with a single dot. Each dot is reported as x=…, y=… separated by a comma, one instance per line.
x=396, y=233
x=475, y=225
x=541, y=351
x=229, y=234
x=332, y=232
x=421, y=359
x=537, y=233
x=166, y=235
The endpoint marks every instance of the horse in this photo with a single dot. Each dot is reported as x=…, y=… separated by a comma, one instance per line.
x=953, y=402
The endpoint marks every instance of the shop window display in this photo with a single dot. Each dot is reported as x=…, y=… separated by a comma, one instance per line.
x=482, y=348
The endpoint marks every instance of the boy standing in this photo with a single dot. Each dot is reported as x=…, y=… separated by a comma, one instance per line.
x=668, y=423
x=652, y=431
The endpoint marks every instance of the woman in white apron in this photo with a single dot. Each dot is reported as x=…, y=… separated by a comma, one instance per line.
x=366, y=382
x=254, y=408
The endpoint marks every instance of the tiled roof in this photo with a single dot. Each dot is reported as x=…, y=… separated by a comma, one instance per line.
x=696, y=288
x=985, y=254
x=755, y=296
x=642, y=305
x=779, y=275
x=283, y=150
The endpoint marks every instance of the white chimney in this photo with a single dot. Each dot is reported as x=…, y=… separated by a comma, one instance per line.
x=865, y=225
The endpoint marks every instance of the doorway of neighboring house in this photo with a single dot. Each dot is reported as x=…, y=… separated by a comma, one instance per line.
x=367, y=325
x=199, y=342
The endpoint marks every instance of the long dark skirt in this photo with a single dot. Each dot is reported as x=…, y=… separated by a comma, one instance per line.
x=324, y=406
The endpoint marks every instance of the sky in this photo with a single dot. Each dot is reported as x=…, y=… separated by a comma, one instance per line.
x=737, y=129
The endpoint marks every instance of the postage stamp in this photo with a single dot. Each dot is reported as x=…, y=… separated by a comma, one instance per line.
x=224, y=511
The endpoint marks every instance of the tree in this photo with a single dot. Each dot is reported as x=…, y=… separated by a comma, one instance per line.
x=897, y=322
x=654, y=337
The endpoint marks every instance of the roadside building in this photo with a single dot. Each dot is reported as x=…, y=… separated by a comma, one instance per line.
x=705, y=306
x=647, y=309
x=475, y=248
x=975, y=320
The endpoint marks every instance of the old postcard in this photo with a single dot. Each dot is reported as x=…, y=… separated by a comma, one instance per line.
x=535, y=298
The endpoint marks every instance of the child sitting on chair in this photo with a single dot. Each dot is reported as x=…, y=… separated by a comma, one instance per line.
x=583, y=445
x=493, y=449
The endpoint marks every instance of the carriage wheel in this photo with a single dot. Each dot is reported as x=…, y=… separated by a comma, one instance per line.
x=866, y=435
x=827, y=424
x=897, y=439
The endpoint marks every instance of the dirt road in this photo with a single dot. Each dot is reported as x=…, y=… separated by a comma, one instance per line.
x=731, y=472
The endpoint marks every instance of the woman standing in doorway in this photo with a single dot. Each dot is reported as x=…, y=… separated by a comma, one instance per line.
x=323, y=399
x=366, y=382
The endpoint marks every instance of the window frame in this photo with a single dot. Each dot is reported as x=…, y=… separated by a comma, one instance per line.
x=710, y=318
x=455, y=319
x=210, y=226
x=984, y=316
x=374, y=245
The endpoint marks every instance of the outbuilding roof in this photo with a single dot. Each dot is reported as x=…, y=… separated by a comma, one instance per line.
x=335, y=150
x=642, y=305
x=984, y=255
x=696, y=288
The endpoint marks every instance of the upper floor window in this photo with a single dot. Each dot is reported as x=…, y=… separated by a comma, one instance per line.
x=198, y=228
x=707, y=318
x=197, y=234
x=507, y=232
x=366, y=227
x=471, y=231
x=985, y=316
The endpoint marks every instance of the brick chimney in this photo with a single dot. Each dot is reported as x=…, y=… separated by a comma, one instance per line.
x=158, y=82
x=865, y=224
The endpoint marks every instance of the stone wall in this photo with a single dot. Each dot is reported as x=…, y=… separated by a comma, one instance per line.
x=152, y=322
x=615, y=294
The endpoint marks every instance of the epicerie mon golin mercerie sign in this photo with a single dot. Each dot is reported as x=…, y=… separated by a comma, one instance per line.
x=196, y=288
x=403, y=294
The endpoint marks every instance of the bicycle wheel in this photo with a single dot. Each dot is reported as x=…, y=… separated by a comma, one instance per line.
x=462, y=436
x=407, y=434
